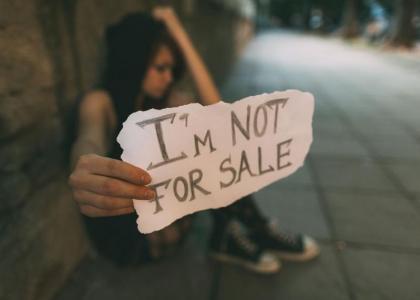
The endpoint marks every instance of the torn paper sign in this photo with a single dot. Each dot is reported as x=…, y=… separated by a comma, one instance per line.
x=202, y=157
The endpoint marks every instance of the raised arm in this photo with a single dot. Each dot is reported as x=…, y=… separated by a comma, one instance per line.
x=202, y=79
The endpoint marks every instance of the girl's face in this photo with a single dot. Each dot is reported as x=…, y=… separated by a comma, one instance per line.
x=159, y=74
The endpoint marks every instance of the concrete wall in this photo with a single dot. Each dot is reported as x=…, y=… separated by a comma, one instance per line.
x=50, y=51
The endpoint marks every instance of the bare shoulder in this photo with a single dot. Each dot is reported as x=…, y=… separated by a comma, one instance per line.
x=97, y=104
x=96, y=100
x=178, y=98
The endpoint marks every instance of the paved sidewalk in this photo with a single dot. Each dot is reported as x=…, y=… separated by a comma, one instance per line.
x=358, y=193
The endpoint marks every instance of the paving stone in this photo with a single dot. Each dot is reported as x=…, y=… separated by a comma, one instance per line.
x=373, y=125
x=319, y=279
x=338, y=146
x=395, y=148
x=302, y=177
x=187, y=275
x=356, y=109
x=327, y=126
x=383, y=275
x=403, y=135
x=408, y=174
x=386, y=219
x=417, y=198
x=295, y=210
x=352, y=174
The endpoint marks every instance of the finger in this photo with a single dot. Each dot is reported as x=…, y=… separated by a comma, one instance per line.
x=112, y=187
x=99, y=201
x=92, y=211
x=116, y=168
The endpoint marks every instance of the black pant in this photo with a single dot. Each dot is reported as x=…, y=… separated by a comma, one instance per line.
x=118, y=239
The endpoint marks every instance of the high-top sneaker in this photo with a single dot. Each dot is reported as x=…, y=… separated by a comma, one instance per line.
x=292, y=247
x=235, y=247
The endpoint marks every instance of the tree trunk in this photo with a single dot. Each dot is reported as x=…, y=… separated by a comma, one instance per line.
x=350, y=27
x=403, y=33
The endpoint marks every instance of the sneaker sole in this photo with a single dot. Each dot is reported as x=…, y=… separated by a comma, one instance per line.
x=312, y=251
x=250, y=266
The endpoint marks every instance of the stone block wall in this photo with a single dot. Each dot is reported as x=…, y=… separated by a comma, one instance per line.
x=50, y=51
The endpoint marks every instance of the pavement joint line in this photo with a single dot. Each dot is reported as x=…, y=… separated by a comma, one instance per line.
x=338, y=189
x=368, y=246
x=382, y=247
x=294, y=187
x=379, y=158
x=360, y=191
x=408, y=163
x=343, y=158
x=332, y=232
x=389, y=160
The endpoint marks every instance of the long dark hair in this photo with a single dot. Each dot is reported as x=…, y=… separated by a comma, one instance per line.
x=131, y=45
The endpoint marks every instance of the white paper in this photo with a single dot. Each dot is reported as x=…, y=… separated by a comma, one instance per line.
x=202, y=157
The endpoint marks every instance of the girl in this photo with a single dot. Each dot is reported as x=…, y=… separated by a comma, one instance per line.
x=146, y=56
